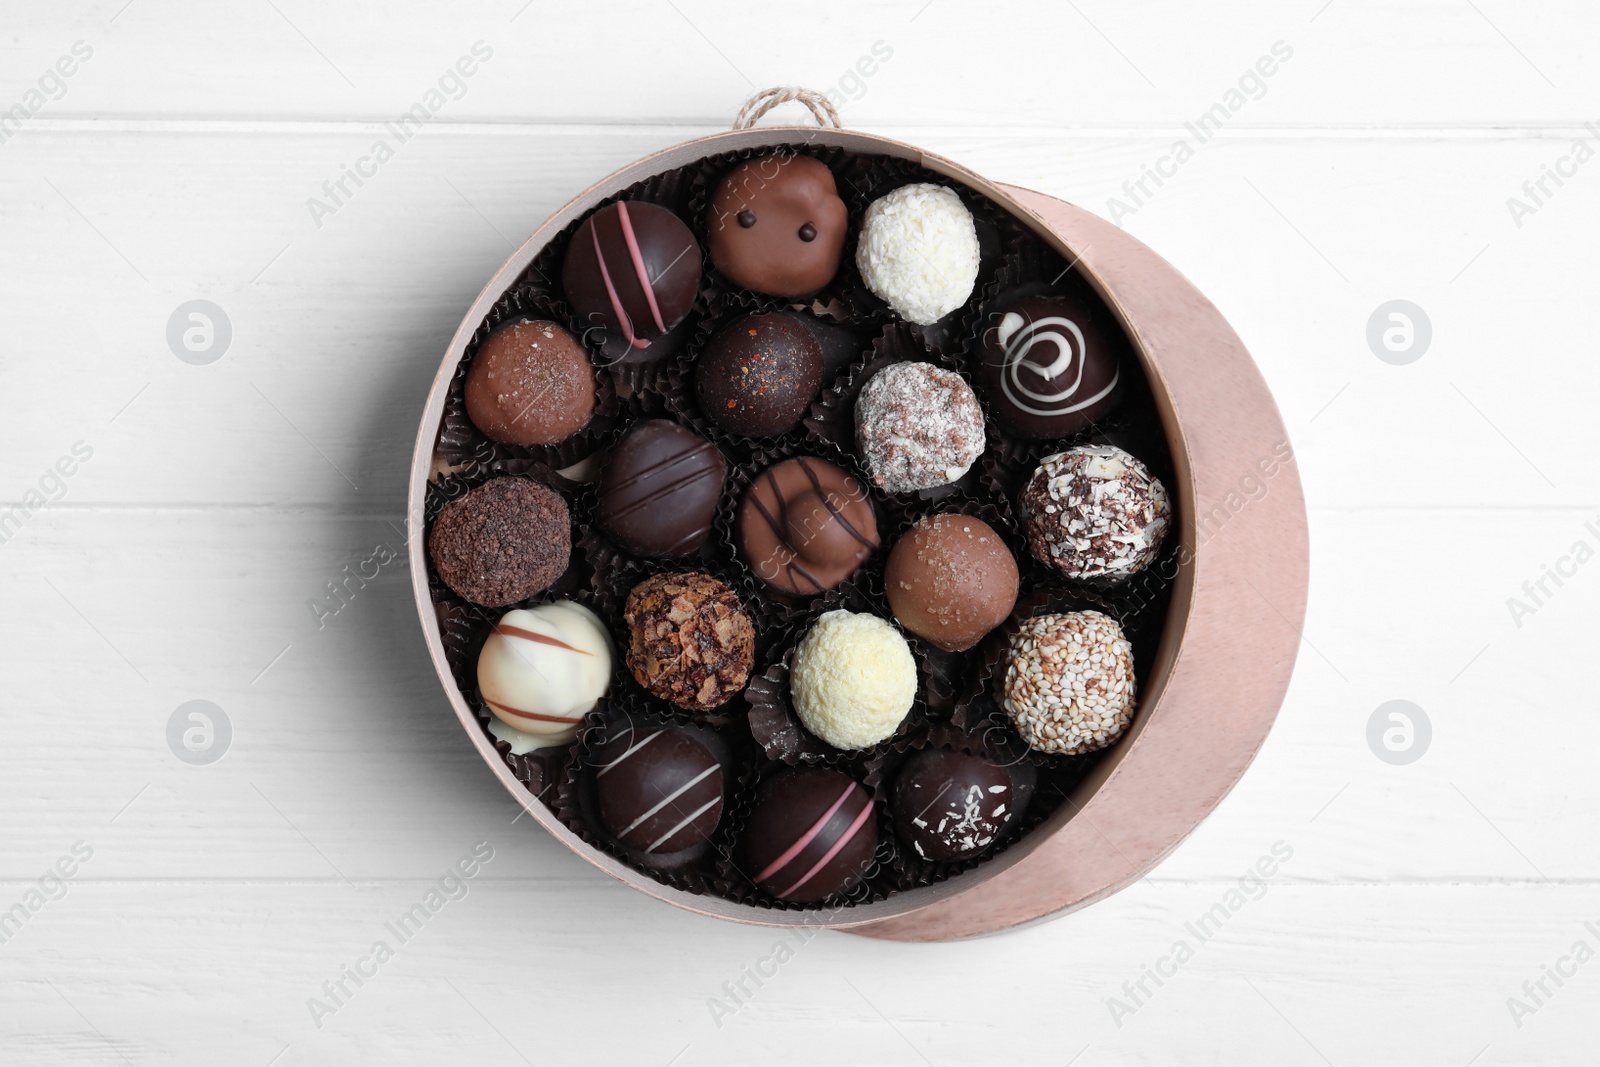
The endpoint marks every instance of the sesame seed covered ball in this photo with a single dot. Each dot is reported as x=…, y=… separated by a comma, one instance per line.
x=918, y=251
x=1095, y=512
x=853, y=679
x=1068, y=684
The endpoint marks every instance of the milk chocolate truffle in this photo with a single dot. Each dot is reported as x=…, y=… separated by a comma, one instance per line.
x=918, y=251
x=950, y=580
x=918, y=426
x=758, y=375
x=659, y=790
x=853, y=679
x=542, y=670
x=690, y=641
x=1051, y=366
x=1095, y=512
x=777, y=225
x=530, y=384
x=811, y=835
x=1068, y=684
x=505, y=541
x=952, y=806
x=659, y=490
x=805, y=526
x=634, y=268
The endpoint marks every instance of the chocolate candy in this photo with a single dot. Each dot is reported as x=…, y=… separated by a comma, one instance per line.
x=918, y=426
x=633, y=268
x=530, y=384
x=659, y=491
x=777, y=225
x=853, y=680
x=505, y=541
x=805, y=526
x=659, y=789
x=918, y=251
x=811, y=835
x=950, y=580
x=1095, y=513
x=542, y=670
x=1051, y=366
x=1068, y=683
x=690, y=640
x=952, y=806
x=758, y=375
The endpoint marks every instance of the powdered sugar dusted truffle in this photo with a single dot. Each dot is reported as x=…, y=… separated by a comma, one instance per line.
x=1068, y=684
x=918, y=251
x=1095, y=512
x=853, y=679
x=918, y=426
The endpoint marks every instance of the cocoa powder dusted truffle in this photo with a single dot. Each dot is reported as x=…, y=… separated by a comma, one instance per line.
x=505, y=541
x=950, y=580
x=1095, y=512
x=1068, y=683
x=918, y=426
x=690, y=641
x=530, y=384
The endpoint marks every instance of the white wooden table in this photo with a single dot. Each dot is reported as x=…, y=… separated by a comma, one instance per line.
x=207, y=905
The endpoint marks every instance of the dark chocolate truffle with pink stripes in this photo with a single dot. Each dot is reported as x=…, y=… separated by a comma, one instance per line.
x=811, y=835
x=634, y=269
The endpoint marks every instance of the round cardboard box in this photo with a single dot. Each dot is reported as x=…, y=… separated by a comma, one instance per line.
x=1231, y=634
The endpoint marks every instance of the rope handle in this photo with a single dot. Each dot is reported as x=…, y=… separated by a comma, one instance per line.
x=767, y=99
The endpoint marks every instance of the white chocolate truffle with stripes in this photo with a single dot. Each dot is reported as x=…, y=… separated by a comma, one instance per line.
x=542, y=670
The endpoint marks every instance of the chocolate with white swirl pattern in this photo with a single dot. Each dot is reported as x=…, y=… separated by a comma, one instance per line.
x=1051, y=366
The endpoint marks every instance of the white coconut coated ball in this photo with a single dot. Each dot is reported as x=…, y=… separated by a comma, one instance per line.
x=918, y=251
x=853, y=679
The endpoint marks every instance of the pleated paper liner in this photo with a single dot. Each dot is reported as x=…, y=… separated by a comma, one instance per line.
x=783, y=609
x=733, y=882
x=631, y=370
x=774, y=724
x=461, y=441
x=577, y=805
x=872, y=177
x=913, y=870
x=832, y=421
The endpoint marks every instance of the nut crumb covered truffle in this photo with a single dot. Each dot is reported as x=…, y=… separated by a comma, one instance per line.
x=690, y=641
x=1095, y=512
x=918, y=426
x=1068, y=683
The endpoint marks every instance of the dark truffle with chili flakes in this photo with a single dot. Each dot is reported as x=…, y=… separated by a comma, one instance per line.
x=811, y=835
x=758, y=375
x=505, y=541
x=690, y=641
